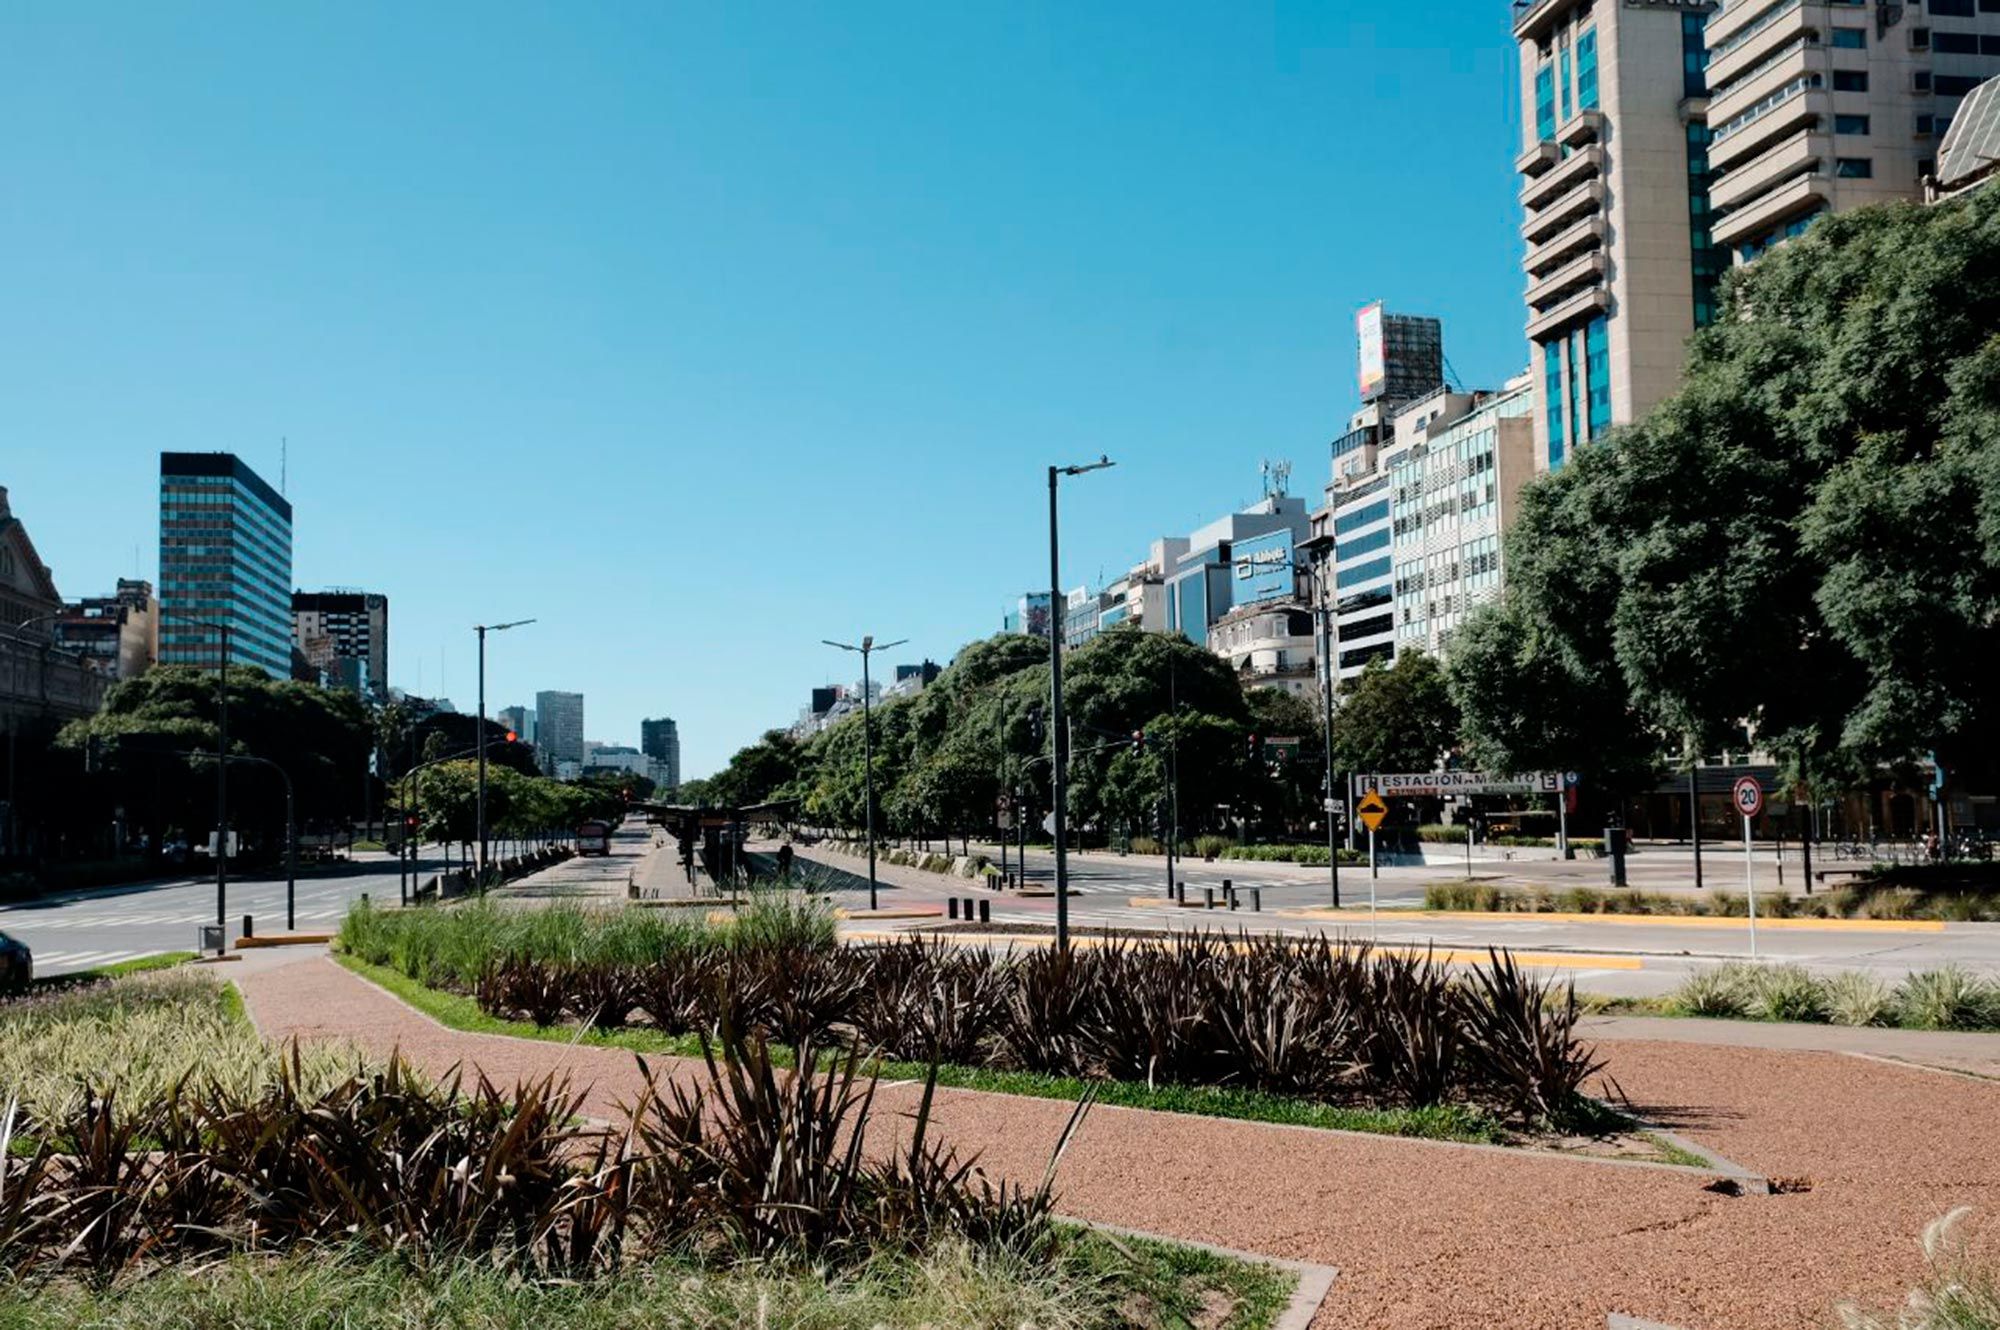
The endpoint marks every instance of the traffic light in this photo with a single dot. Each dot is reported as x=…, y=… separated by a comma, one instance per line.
x=1037, y=730
x=409, y=822
x=511, y=736
x=1139, y=742
x=1254, y=750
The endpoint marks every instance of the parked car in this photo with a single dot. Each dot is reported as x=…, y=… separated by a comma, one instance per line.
x=17, y=963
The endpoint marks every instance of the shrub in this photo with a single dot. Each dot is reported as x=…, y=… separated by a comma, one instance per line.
x=1211, y=847
x=1787, y=993
x=1854, y=997
x=1948, y=998
x=1524, y=1044
x=1957, y=1292
x=1725, y=991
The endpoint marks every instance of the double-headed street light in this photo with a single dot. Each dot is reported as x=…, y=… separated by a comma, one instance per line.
x=221, y=625
x=868, y=646
x=483, y=629
x=1058, y=732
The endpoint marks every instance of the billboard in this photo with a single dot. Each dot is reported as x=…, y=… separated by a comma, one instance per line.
x=1373, y=362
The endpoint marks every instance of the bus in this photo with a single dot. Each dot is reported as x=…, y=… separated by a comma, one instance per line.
x=593, y=837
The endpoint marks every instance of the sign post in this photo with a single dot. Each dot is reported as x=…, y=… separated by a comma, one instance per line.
x=1749, y=798
x=1371, y=809
x=1562, y=814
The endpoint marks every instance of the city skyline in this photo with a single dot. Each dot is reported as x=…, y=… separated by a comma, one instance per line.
x=668, y=372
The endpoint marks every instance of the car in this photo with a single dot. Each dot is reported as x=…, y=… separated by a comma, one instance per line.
x=17, y=963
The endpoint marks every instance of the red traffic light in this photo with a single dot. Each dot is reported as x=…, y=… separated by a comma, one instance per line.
x=511, y=736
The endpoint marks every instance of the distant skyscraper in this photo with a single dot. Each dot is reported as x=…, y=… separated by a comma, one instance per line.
x=330, y=626
x=660, y=740
x=559, y=729
x=225, y=557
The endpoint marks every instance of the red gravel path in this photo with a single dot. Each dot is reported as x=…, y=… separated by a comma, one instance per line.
x=1431, y=1235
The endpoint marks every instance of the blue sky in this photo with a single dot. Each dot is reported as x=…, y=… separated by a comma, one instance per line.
x=704, y=332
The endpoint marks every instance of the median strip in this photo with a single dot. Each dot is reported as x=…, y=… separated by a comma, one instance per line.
x=1666, y=920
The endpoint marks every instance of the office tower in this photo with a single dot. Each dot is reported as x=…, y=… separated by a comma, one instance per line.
x=1817, y=108
x=226, y=560
x=660, y=740
x=559, y=729
x=344, y=625
x=1620, y=263
x=119, y=634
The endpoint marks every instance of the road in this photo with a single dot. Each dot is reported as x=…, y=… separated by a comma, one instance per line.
x=79, y=930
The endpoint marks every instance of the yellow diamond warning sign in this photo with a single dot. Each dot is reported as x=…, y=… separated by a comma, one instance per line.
x=1371, y=810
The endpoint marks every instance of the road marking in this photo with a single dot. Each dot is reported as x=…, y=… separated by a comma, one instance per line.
x=1663, y=920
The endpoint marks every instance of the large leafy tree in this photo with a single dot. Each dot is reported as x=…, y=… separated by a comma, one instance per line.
x=1397, y=717
x=1799, y=547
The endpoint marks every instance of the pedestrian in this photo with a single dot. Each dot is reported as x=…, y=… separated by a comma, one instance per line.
x=785, y=860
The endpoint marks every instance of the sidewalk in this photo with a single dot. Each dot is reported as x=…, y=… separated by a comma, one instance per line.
x=1431, y=1235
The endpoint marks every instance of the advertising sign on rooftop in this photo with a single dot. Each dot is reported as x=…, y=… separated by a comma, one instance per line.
x=1373, y=363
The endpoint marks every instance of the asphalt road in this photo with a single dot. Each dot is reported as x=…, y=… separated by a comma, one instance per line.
x=82, y=929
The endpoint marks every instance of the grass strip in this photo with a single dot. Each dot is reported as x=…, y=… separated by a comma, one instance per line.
x=1673, y=1154
x=163, y=960
x=1448, y=1122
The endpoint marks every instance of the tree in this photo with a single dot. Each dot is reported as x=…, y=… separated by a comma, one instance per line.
x=1395, y=718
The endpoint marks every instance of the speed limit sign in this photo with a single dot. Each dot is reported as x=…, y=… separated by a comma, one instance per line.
x=1749, y=796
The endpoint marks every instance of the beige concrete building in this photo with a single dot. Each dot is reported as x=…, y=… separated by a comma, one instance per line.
x=1821, y=107
x=1619, y=265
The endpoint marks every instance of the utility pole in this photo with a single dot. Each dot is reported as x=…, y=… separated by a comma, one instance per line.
x=222, y=795
x=482, y=630
x=868, y=647
x=1058, y=731
x=1323, y=594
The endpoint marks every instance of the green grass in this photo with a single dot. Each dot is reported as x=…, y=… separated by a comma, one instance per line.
x=1097, y=1283
x=164, y=960
x=1669, y=1153
x=1443, y=1123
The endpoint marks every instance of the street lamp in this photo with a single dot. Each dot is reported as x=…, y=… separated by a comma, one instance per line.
x=868, y=646
x=1058, y=737
x=483, y=629
x=221, y=770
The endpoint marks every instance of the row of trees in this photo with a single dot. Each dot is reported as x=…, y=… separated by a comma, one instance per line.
x=1798, y=552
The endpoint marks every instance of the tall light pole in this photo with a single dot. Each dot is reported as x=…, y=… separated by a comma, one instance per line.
x=221, y=770
x=1323, y=604
x=868, y=646
x=1058, y=731
x=483, y=629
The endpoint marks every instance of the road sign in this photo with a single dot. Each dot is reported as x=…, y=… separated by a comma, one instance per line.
x=1461, y=782
x=1049, y=824
x=1748, y=795
x=1371, y=809
x=1570, y=779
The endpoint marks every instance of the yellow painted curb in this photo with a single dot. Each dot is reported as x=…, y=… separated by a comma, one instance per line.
x=283, y=940
x=910, y=913
x=1666, y=920
x=1547, y=960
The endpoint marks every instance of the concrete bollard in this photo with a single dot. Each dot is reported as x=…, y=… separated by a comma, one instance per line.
x=986, y=912
x=1208, y=898
x=951, y=907
x=1256, y=900
x=1229, y=892
x=248, y=931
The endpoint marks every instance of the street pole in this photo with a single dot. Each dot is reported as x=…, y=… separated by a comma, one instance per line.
x=1750, y=885
x=1173, y=771
x=1058, y=731
x=222, y=797
x=482, y=630
x=869, y=646
x=1326, y=722
x=1694, y=820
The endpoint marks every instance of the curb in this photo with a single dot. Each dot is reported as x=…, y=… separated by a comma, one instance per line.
x=1654, y=920
x=283, y=940
x=1308, y=1296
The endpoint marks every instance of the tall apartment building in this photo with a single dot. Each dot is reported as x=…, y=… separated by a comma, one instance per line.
x=1620, y=263
x=225, y=558
x=660, y=740
x=1821, y=107
x=559, y=730
x=342, y=625
x=119, y=634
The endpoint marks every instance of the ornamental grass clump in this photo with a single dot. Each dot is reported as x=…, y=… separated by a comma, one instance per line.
x=1787, y=993
x=1950, y=997
x=1726, y=991
x=1855, y=997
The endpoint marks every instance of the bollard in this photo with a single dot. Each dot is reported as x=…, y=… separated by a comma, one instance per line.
x=248, y=931
x=1208, y=898
x=951, y=907
x=1256, y=900
x=364, y=898
x=986, y=912
x=1229, y=892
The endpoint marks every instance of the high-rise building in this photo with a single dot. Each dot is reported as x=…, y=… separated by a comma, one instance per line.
x=225, y=558
x=1816, y=108
x=660, y=740
x=344, y=625
x=559, y=729
x=1620, y=261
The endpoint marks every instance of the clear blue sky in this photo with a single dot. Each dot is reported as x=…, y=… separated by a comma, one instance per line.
x=704, y=332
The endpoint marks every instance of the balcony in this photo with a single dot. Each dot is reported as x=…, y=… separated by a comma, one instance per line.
x=1779, y=120
x=1802, y=154
x=1573, y=206
x=1545, y=258
x=1736, y=17
x=1576, y=308
x=1805, y=194
x=1775, y=32
x=1538, y=158
x=1563, y=282
x=1581, y=128
x=1581, y=166
x=1724, y=106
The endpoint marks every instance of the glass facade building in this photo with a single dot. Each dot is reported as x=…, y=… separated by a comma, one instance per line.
x=225, y=558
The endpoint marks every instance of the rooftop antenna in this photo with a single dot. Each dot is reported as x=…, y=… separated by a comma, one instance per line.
x=1277, y=477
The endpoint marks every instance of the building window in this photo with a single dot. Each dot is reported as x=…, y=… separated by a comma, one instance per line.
x=1850, y=124
x=1952, y=8
x=1853, y=168
x=1955, y=85
x=1552, y=375
x=1921, y=80
x=1562, y=81
x=1850, y=80
x=1926, y=123
x=1955, y=43
x=1694, y=55
x=1545, y=103
x=1850, y=39
x=1586, y=70
x=1597, y=370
